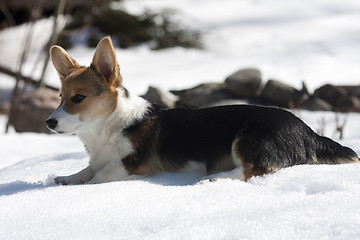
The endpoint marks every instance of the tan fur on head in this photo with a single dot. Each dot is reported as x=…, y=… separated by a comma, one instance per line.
x=98, y=83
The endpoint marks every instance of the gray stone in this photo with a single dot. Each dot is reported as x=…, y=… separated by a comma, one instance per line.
x=5, y=95
x=203, y=95
x=280, y=94
x=157, y=96
x=315, y=104
x=33, y=109
x=347, y=104
x=329, y=93
x=244, y=83
x=228, y=102
x=355, y=91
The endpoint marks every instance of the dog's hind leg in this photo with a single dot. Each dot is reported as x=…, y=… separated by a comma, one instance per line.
x=237, y=172
x=244, y=167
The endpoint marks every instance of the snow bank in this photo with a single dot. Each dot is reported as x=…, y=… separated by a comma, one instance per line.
x=301, y=202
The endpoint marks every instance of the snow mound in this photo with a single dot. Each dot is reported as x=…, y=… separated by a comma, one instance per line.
x=301, y=202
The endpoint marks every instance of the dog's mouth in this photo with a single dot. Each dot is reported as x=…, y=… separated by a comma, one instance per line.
x=60, y=132
x=66, y=129
x=56, y=131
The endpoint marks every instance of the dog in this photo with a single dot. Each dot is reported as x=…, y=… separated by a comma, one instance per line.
x=128, y=137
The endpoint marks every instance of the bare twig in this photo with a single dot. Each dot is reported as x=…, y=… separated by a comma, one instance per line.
x=340, y=126
x=17, y=92
x=54, y=37
x=321, y=129
x=30, y=80
x=7, y=14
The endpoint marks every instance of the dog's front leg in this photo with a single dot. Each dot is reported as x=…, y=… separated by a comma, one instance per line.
x=113, y=171
x=83, y=176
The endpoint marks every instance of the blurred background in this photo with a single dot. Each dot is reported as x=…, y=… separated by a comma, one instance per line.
x=187, y=53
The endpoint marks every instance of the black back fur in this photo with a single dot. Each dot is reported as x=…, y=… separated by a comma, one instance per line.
x=269, y=138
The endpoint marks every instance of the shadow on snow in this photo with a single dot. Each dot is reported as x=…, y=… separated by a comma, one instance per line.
x=7, y=189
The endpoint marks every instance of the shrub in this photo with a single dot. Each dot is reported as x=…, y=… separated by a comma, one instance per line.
x=159, y=29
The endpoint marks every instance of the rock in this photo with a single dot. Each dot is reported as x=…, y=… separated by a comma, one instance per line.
x=203, y=95
x=315, y=104
x=228, y=102
x=5, y=96
x=33, y=110
x=304, y=88
x=157, y=96
x=329, y=93
x=280, y=94
x=244, y=83
x=4, y=108
x=355, y=91
x=347, y=104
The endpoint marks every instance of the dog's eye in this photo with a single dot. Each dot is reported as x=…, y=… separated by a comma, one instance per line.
x=60, y=95
x=78, y=98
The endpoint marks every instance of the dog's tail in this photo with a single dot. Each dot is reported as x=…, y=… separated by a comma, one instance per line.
x=328, y=151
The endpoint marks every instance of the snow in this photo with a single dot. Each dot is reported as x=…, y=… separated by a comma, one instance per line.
x=307, y=40
x=302, y=202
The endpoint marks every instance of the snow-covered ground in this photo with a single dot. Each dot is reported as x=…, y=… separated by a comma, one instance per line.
x=315, y=41
x=301, y=202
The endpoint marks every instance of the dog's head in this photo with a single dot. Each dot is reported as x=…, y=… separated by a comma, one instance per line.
x=87, y=93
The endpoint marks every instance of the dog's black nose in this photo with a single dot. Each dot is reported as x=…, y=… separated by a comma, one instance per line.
x=51, y=123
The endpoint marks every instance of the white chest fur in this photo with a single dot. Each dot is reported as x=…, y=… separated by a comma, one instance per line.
x=104, y=137
x=105, y=146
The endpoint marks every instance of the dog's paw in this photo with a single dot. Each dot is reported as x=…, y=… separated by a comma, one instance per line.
x=214, y=177
x=61, y=180
x=209, y=179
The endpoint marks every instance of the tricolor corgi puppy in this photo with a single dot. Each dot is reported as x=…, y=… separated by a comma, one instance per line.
x=128, y=137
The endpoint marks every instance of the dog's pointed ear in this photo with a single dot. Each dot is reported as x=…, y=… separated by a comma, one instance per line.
x=104, y=60
x=62, y=61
